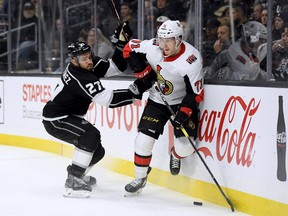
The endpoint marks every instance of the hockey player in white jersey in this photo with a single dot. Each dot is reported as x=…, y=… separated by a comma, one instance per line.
x=239, y=61
x=176, y=67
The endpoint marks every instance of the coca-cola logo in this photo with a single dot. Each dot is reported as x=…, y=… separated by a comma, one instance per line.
x=230, y=130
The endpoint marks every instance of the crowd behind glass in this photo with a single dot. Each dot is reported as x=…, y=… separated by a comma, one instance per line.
x=238, y=39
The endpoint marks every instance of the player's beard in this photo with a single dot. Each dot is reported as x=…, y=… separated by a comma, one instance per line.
x=89, y=67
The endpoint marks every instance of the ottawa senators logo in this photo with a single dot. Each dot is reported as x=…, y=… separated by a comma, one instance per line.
x=165, y=86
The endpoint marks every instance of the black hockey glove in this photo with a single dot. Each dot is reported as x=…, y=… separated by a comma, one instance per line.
x=181, y=117
x=121, y=35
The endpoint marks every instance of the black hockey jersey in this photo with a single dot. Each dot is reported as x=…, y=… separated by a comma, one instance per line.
x=77, y=88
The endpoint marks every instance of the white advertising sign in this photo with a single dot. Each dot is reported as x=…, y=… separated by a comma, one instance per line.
x=238, y=135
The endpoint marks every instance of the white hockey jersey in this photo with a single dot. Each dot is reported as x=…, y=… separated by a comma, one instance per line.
x=241, y=65
x=176, y=75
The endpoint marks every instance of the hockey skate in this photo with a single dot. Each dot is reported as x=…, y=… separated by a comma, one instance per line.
x=175, y=165
x=76, y=187
x=135, y=187
x=90, y=180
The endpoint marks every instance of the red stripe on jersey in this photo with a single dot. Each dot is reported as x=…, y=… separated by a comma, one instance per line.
x=200, y=97
x=126, y=51
x=143, y=161
x=128, y=48
x=186, y=110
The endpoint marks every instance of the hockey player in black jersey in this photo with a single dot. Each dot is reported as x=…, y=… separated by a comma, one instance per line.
x=63, y=115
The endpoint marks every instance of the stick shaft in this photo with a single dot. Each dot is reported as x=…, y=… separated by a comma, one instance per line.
x=196, y=150
x=115, y=12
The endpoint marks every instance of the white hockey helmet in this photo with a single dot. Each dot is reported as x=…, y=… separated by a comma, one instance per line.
x=170, y=28
x=254, y=34
x=252, y=31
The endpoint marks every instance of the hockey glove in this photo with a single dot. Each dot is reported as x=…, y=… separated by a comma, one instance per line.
x=121, y=35
x=134, y=91
x=139, y=86
x=181, y=117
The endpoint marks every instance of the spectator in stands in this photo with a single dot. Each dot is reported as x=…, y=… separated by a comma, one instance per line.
x=222, y=14
x=244, y=5
x=264, y=16
x=164, y=10
x=224, y=38
x=126, y=14
x=280, y=20
x=237, y=15
x=148, y=5
x=257, y=11
x=279, y=57
x=209, y=38
x=239, y=61
x=26, y=38
x=101, y=47
x=150, y=27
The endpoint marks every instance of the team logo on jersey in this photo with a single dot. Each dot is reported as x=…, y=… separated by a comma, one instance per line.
x=192, y=58
x=165, y=86
x=241, y=59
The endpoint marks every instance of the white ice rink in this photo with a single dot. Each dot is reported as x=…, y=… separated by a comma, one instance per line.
x=32, y=183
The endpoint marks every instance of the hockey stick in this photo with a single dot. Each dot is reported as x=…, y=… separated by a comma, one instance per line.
x=115, y=12
x=194, y=147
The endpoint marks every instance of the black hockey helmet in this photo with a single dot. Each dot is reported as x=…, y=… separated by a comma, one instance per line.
x=78, y=48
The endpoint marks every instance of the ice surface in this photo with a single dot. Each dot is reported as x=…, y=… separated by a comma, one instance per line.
x=32, y=183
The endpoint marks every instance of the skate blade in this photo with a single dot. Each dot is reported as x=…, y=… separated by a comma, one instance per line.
x=129, y=194
x=70, y=193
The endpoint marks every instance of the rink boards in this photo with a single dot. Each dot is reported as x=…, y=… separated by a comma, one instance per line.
x=237, y=138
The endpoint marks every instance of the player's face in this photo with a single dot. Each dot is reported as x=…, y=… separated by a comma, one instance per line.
x=168, y=45
x=85, y=61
